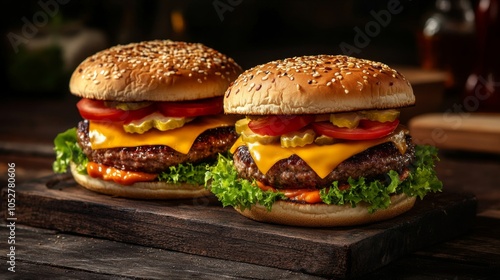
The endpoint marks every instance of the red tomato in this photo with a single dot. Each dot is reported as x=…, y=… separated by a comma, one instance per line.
x=366, y=130
x=209, y=106
x=279, y=124
x=96, y=110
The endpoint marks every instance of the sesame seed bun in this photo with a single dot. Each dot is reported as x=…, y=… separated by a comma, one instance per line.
x=324, y=215
x=154, y=71
x=316, y=85
x=140, y=190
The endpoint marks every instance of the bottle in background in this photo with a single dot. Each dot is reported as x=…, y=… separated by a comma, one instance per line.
x=482, y=90
x=446, y=42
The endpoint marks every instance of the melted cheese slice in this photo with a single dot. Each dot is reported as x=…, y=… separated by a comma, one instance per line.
x=322, y=159
x=107, y=135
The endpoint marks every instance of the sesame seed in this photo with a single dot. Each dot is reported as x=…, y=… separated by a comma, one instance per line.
x=199, y=80
x=328, y=84
x=346, y=91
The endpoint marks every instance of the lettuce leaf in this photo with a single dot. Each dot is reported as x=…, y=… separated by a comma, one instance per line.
x=185, y=173
x=67, y=150
x=223, y=181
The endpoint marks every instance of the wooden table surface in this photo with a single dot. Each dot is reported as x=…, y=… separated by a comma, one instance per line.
x=28, y=128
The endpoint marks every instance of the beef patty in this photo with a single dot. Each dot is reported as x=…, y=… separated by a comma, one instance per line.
x=294, y=173
x=157, y=158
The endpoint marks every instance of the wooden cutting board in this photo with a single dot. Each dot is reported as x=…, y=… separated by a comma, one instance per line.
x=477, y=132
x=201, y=226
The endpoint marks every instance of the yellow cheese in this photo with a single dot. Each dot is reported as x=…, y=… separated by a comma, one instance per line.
x=322, y=159
x=108, y=135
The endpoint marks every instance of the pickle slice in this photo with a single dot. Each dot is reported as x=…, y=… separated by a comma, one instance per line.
x=241, y=125
x=349, y=120
x=127, y=106
x=324, y=140
x=297, y=138
x=155, y=120
x=249, y=136
x=388, y=115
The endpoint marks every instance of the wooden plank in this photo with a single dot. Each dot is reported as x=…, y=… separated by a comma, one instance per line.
x=463, y=131
x=28, y=270
x=475, y=255
x=44, y=254
x=202, y=227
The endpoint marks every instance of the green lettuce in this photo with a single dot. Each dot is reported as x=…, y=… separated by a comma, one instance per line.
x=67, y=151
x=223, y=181
x=185, y=173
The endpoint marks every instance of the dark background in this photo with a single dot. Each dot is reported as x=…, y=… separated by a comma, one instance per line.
x=252, y=32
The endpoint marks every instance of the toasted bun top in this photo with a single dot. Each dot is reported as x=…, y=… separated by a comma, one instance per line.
x=316, y=85
x=154, y=71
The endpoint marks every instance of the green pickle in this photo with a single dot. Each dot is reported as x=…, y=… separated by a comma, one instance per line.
x=324, y=140
x=388, y=115
x=241, y=125
x=249, y=136
x=127, y=106
x=349, y=120
x=157, y=121
x=297, y=139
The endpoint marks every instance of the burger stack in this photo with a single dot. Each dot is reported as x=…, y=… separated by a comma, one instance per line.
x=303, y=141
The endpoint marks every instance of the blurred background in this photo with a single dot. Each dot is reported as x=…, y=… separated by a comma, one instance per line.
x=43, y=41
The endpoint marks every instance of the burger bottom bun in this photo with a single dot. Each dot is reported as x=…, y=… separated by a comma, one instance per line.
x=324, y=215
x=140, y=190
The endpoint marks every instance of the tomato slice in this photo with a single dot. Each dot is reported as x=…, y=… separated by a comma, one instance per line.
x=279, y=124
x=96, y=110
x=366, y=130
x=192, y=108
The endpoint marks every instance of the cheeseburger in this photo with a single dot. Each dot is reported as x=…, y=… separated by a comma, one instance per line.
x=321, y=144
x=153, y=119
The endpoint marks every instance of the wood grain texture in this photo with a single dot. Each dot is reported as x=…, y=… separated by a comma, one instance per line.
x=48, y=254
x=478, y=132
x=202, y=227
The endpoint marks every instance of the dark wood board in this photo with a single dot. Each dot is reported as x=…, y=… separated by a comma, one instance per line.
x=49, y=254
x=202, y=227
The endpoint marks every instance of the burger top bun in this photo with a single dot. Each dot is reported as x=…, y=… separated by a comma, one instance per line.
x=316, y=85
x=154, y=71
